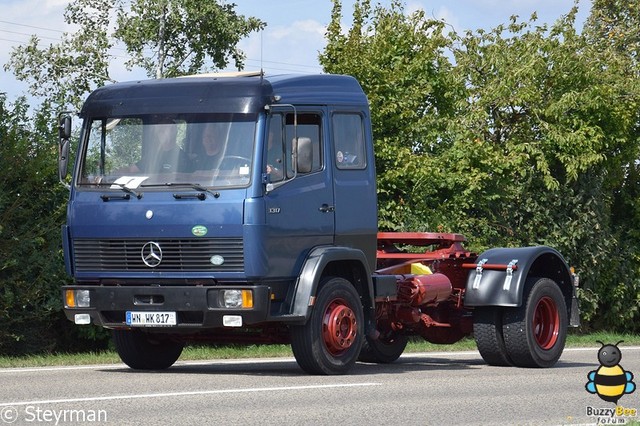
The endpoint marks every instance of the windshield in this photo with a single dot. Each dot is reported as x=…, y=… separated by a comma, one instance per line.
x=211, y=150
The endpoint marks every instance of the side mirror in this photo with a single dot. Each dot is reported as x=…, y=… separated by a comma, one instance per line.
x=304, y=153
x=64, y=131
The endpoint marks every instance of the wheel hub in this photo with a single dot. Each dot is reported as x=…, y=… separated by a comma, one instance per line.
x=339, y=327
x=546, y=323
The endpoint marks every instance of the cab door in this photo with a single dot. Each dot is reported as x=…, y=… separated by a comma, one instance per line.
x=356, y=213
x=300, y=209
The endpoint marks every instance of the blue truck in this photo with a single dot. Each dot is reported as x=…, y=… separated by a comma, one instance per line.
x=242, y=209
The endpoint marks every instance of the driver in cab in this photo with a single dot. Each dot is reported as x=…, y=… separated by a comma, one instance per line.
x=208, y=155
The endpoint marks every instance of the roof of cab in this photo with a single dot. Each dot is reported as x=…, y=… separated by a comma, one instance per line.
x=318, y=89
x=237, y=93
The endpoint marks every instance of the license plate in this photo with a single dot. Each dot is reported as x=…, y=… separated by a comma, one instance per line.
x=151, y=319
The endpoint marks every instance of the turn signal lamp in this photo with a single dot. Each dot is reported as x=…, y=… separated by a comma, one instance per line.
x=575, y=277
x=77, y=298
x=236, y=299
x=247, y=299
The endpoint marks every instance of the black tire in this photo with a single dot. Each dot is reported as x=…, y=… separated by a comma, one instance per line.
x=383, y=350
x=144, y=351
x=330, y=341
x=535, y=333
x=487, y=331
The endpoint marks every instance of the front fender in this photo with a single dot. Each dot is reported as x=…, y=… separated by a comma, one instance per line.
x=312, y=272
x=494, y=288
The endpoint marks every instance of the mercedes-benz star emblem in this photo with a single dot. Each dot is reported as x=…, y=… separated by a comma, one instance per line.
x=151, y=254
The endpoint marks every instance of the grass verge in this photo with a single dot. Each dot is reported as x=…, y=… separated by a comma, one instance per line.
x=199, y=352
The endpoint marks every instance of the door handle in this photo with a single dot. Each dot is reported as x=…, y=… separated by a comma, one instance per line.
x=326, y=208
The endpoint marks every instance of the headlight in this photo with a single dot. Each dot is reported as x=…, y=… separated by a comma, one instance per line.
x=235, y=299
x=77, y=298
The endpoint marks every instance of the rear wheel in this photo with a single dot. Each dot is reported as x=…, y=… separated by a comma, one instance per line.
x=535, y=333
x=385, y=349
x=329, y=343
x=487, y=331
x=145, y=351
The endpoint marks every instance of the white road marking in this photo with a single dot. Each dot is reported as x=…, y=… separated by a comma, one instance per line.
x=191, y=393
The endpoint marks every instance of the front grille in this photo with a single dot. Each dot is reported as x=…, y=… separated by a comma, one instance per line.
x=177, y=255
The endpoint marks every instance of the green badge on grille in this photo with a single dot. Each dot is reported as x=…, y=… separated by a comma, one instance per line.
x=199, y=230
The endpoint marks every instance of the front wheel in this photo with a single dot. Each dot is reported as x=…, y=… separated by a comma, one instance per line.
x=145, y=351
x=535, y=333
x=330, y=341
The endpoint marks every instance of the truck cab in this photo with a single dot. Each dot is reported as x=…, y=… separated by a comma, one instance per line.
x=164, y=239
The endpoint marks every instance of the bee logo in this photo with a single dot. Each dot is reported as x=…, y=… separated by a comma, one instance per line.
x=610, y=381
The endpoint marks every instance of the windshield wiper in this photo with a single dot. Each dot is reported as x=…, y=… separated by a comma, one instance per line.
x=196, y=186
x=126, y=189
x=114, y=185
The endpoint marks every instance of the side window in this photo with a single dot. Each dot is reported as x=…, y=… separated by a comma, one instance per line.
x=348, y=139
x=308, y=127
x=281, y=134
x=275, y=161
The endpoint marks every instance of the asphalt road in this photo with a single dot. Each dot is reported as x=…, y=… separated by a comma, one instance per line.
x=418, y=389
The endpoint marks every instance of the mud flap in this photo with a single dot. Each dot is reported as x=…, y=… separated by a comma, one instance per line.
x=574, y=320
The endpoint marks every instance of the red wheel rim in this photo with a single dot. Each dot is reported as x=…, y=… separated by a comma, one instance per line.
x=339, y=327
x=546, y=323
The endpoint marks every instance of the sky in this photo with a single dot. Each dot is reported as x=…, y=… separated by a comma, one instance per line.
x=292, y=39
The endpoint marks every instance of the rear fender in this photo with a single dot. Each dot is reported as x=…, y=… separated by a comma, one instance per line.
x=494, y=287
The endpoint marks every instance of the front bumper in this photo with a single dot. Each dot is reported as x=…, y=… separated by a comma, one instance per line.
x=196, y=307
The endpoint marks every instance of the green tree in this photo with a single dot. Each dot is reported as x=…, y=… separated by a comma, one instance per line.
x=64, y=73
x=32, y=207
x=182, y=34
x=612, y=31
x=614, y=24
x=400, y=63
x=525, y=137
x=167, y=38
